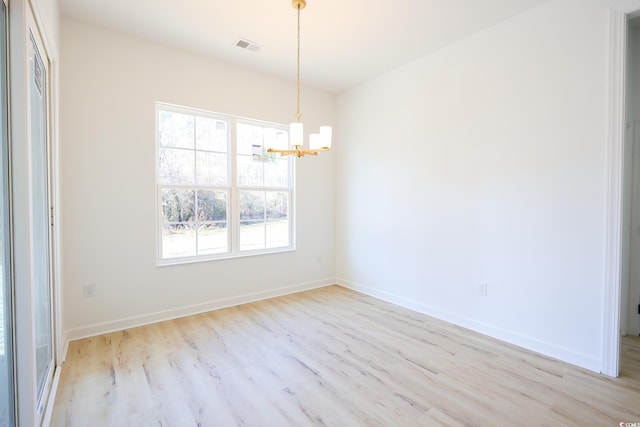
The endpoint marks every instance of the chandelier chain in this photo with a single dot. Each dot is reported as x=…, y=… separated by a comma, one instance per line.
x=298, y=115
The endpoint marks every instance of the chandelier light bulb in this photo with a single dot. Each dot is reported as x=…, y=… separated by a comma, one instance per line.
x=296, y=134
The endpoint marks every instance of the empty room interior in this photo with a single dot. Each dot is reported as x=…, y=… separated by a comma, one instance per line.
x=320, y=212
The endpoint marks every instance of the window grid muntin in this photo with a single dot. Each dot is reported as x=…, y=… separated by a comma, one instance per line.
x=233, y=217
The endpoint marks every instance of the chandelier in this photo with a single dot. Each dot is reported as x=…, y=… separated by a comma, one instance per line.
x=318, y=142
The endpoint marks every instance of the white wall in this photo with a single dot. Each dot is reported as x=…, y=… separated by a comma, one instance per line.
x=109, y=85
x=485, y=163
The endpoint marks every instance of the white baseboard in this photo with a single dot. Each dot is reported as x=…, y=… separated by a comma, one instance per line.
x=174, y=313
x=557, y=352
x=62, y=354
x=567, y=355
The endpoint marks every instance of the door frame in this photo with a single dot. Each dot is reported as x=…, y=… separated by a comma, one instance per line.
x=618, y=20
x=50, y=54
x=24, y=14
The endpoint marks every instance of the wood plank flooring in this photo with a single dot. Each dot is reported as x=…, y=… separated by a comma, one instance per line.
x=330, y=357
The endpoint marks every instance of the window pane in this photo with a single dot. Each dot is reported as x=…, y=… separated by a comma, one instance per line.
x=211, y=168
x=213, y=238
x=178, y=240
x=40, y=215
x=277, y=204
x=277, y=213
x=178, y=205
x=211, y=134
x=277, y=233
x=252, y=235
x=250, y=139
x=212, y=205
x=176, y=166
x=251, y=205
x=250, y=171
x=255, y=166
x=276, y=173
x=252, y=227
x=176, y=129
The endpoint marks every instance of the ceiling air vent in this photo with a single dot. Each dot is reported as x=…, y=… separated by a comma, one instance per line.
x=248, y=45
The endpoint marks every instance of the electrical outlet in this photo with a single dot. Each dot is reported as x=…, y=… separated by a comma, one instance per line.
x=89, y=290
x=482, y=290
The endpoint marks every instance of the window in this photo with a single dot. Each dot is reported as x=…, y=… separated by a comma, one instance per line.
x=220, y=194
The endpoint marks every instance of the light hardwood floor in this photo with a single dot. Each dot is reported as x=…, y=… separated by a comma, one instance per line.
x=330, y=357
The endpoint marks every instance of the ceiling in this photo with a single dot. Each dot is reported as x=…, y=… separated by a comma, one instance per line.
x=343, y=42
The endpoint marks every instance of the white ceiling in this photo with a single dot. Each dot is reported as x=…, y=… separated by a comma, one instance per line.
x=344, y=42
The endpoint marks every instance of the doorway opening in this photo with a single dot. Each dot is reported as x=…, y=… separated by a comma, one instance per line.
x=618, y=293
x=630, y=266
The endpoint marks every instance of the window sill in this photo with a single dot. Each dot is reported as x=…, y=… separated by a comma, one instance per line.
x=192, y=260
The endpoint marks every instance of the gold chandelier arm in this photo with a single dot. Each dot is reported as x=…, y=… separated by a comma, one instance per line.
x=297, y=152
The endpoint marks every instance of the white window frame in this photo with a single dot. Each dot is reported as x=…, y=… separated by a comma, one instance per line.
x=232, y=189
